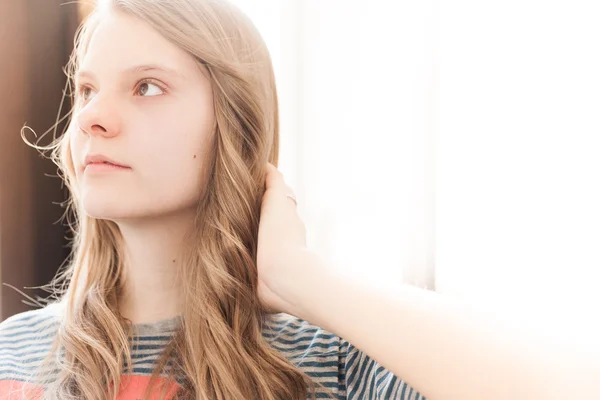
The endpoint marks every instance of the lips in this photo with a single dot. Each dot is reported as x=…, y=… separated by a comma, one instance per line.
x=95, y=159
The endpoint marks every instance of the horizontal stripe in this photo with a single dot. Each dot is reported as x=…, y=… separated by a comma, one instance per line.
x=327, y=359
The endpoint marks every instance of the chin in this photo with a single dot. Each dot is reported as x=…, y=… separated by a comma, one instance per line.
x=121, y=205
x=122, y=211
x=112, y=209
x=105, y=212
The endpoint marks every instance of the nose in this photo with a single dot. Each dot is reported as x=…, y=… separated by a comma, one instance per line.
x=99, y=118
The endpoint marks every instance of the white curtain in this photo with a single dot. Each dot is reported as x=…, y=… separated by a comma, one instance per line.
x=452, y=144
x=357, y=88
x=518, y=163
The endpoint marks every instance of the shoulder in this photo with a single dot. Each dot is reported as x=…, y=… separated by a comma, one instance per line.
x=334, y=362
x=25, y=339
x=37, y=320
x=315, y=351
x=293, y=336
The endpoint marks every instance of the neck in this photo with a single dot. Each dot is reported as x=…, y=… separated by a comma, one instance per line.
x=151, y=289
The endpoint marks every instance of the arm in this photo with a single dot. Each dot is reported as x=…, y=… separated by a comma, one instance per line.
x=440, y=347
x=443, y=349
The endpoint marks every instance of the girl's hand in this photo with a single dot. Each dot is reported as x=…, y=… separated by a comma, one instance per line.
x=282, y=255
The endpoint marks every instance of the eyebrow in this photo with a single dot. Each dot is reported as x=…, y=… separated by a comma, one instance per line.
x=136, y=70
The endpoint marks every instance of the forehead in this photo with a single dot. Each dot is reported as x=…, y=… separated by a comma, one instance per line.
x=120, y=41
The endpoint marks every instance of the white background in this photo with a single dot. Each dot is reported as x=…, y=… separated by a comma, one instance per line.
x=451, y=144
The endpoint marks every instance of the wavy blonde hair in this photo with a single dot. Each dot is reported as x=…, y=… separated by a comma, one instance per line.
x=218, y=352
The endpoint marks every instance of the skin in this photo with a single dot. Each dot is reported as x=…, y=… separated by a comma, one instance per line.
x=159, y=122
x=440, y=347
x=445, y=349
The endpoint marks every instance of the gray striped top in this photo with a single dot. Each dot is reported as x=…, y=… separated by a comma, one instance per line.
x=345, y=370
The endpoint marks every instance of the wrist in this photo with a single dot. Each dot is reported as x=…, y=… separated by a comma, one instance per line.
x=302, y=284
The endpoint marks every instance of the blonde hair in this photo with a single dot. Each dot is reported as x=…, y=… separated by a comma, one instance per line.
x=218, y=352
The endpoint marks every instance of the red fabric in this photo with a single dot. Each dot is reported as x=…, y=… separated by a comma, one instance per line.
x=131, y=388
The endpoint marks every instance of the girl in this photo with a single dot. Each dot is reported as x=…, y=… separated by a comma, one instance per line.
x=190, y=276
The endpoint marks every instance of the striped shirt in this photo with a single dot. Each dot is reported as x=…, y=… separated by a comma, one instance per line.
x=349, y=373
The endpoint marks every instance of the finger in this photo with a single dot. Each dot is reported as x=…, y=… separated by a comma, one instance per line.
x=276, y=184
x=274, y=179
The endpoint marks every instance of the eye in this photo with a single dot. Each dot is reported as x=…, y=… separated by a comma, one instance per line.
x=86, y=93
x=148, y=89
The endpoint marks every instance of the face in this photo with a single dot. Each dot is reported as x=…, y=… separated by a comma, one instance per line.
x=145, y=122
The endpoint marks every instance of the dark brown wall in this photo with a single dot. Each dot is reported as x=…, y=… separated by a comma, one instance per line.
x=36, y=38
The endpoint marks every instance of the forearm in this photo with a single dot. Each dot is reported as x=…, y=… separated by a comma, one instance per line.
x=441, y=348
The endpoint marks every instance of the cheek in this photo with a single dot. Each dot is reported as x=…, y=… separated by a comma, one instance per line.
x=171, y=146
x=75, y=144
x=188, y=162
x=168, y=157
x=180, y=139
